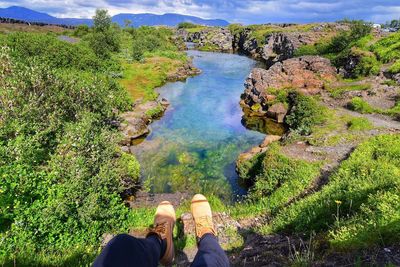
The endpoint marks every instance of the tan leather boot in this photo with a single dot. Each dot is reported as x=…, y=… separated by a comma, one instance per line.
x=164, y=222
x=202, y=216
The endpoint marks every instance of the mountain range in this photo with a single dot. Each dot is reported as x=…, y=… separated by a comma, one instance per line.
x=168, y=19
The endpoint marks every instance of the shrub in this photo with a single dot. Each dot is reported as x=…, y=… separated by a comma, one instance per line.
x=187, y=25
x=60, y=173
x=53, y=52
x=150, y=39
x=304, y=113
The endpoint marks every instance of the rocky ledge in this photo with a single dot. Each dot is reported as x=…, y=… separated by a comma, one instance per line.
x=218, y=39
x=306, y=74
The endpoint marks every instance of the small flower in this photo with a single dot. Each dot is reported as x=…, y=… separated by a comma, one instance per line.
x=338, y=202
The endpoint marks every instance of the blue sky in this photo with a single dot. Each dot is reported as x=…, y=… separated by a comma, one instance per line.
x=244, y=11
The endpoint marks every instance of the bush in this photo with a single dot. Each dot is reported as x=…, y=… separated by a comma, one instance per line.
x=359, y=206
x=304, y=113
x=187, y=25
x=150, y=39
x=105, y=37
x=61, y=175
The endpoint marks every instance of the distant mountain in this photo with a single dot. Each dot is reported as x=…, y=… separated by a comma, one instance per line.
x=169, y=19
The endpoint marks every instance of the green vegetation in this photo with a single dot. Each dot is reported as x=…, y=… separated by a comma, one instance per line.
x=62, y=173
x=353, y=44
x=275, y=179
x=338, y=91
x=191, y=27
x=360, y=105
x=304, y=113
x=359, y=124
x=359, y=207
x=104, y=37
x=61, y=178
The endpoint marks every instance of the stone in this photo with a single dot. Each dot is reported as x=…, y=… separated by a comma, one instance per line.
x=278, y=112
x=306, y=74
x=269, y=139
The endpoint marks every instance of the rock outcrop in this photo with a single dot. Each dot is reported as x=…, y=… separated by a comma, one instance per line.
x=306, y=74
x=283, y=43
x=220, y=38
x=187, y=70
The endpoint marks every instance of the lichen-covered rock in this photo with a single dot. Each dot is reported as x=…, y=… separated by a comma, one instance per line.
x=306, y=74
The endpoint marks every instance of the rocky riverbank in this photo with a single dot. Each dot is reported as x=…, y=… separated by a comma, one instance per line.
x=135, y=123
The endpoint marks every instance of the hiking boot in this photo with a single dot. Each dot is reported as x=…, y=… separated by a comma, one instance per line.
x=164, y=222
x=202, y=216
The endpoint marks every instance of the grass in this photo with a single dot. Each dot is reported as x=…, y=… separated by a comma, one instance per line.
x=362, y=106
x=338, y=91
x=208, y=47
x=140, y=79
x=359, y=207
x=359, y=124
x=277, y=179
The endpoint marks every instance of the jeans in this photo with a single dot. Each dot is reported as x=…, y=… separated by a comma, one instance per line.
x=125, y=250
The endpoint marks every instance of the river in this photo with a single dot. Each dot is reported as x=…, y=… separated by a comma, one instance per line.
x=194, y=146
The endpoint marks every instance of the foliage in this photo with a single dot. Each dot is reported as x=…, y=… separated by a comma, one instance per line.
x=395, y=68
x=60, y=173
x=81, y=31
x=359, y=124
x=150, y=39
x=53, y=52
x=387, y=48
x=105, y=37
x=359, y=206
x=304, y=113
x=187, y=25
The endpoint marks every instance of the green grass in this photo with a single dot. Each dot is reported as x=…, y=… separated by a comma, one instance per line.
x=338, y=91
x=208, y=47
x=140, y=79
x=362, y=106
x=359, y=124
x=359, y=207
x=277, y=179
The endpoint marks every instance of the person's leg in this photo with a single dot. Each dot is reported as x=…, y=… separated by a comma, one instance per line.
x=125, y=250
x=158, y=246
x=210, y=253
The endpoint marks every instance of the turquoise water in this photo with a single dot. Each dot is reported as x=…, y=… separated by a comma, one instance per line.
x=194, y=146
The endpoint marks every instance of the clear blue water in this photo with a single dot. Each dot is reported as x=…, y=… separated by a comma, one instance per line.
x=194, y=146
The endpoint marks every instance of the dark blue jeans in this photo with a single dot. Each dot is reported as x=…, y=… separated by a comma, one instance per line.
x=125, y=250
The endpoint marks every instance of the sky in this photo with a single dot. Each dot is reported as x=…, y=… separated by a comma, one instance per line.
x=235, y=11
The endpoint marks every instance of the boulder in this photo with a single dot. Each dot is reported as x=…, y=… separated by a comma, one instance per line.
x=270, y=139
x=306, y=74
x=277, y=111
